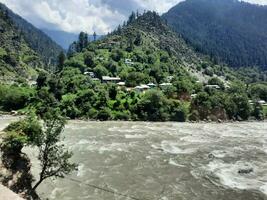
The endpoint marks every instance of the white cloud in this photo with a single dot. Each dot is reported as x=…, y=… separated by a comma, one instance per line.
x=159, y=6
x=101, y=16
x=68, y=15
x=261, y=2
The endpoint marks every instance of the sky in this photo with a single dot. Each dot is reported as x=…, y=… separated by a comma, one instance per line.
x=74, y=16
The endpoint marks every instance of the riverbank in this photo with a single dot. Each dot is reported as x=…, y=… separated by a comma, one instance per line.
x=7, y=194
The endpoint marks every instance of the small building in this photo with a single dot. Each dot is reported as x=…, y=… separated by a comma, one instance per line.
x=108, y=79
x=152, y=85
x=213, y=86
x=95, y=79
x=164, y=85
x=170, y=78
x=128, y=62
x=261, y=102
x=142, y=88
x=121, y=83
x=91, y=74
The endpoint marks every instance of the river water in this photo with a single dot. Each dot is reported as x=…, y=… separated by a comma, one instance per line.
x=163, y=161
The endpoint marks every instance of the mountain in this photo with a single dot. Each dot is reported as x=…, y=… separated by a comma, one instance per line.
x=17, y=58
x=230, y=31
x=37, y=40
x=65, y=39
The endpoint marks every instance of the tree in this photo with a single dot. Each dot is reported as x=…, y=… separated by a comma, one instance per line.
x=82, y=41
x=53, y=157
x=153, y=106
x=61, y=61
x=138, y=39
x=89, y=59
x=94, y=35
x=131, y=18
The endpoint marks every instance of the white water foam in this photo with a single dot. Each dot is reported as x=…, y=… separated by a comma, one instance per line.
x=135, y=136
x=174, y=148
x=172, y=162
x=228, y=174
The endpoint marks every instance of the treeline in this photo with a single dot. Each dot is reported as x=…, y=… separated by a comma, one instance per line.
x=79, y=97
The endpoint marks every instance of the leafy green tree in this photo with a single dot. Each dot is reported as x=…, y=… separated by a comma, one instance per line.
x=216, y=81
x=100, y=71
x=14, y=97
x=258, y=111
x=89, y=59
x=178, y=111
x=258, y=91
x=61, y=61
x=136, y=78
x=153, y=106
x=138, y=40
x=53, y=157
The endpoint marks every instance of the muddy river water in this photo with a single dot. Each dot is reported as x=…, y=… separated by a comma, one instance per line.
x=162, y=161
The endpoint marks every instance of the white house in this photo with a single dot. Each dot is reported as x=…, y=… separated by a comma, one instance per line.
x=108, y=79
x=213, y=86
x=128, y=62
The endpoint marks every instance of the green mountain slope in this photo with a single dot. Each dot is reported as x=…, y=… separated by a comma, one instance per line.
x=150, y=45
x=37, y=40
x=16, y=57
x=230, y=31
x=162, y=79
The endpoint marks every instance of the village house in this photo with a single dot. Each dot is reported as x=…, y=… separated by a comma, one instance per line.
x=108, y=79
x=142, y=88
x=213, y=86
x=152, y=85
x=128, y=62
x=91, y=74
x=164, y=85
x=121, y=83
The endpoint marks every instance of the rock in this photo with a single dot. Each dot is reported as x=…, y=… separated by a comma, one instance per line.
x=211, y=156
x=14, y=113
x=245, y=171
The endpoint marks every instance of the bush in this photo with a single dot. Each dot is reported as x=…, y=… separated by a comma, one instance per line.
x=14, y=97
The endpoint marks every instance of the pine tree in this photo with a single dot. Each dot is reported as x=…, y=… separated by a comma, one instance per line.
x=61, y=61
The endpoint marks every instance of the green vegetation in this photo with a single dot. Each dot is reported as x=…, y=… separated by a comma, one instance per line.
x=14, y=97
x=54, y=159
x=160, y=80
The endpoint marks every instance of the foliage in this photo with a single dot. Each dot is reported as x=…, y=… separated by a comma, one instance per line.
x=53, y=157
x=14, y=97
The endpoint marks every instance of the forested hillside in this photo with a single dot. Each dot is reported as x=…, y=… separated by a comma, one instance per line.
x=144, y=71
x=16, y=57
x=46, y=48
x=228, y=30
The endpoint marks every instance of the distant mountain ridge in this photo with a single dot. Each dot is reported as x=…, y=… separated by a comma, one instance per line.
x=42, y=44
x=229, y=31
x=65, y=39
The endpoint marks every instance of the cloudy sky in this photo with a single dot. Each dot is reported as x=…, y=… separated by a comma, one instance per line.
x=86, y=15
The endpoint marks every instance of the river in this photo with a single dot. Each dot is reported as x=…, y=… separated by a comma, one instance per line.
x=162, y=161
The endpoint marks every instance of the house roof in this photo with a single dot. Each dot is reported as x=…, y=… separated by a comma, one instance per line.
x=108, y=78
